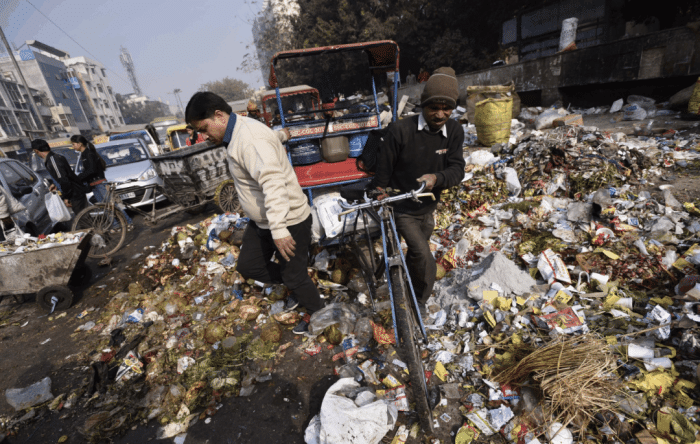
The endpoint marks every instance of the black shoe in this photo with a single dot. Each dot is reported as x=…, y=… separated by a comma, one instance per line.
x=301, y=329
x=291, y=303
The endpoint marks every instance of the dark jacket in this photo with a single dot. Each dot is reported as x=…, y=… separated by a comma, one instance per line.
x=92, y=167
x=407, y=154
x=60, y=170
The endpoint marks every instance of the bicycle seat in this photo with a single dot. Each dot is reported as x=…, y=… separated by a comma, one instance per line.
x=354, y=192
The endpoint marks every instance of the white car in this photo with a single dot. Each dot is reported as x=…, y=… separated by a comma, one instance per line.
x=129, y=164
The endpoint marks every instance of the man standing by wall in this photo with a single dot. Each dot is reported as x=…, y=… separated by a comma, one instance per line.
x=424, y=148
x=270, y=196
x=72, y=189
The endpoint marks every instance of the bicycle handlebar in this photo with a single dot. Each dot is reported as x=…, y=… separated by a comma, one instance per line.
x=414, y=195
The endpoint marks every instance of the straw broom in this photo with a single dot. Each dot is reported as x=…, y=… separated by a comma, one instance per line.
x=576, y=376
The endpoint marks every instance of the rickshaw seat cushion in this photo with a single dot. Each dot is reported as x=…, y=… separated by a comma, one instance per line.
x=324, y=173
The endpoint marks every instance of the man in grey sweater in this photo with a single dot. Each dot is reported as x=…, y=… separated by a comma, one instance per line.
x=270, y=196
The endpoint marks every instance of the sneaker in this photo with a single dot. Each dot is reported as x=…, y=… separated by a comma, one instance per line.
x=291, y=303
x=301, y=329
x=130, y=227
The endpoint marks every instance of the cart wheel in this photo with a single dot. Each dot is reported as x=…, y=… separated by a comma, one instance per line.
x=227, y=197
x=81, y=276
x=63, y=296
x=106, y=222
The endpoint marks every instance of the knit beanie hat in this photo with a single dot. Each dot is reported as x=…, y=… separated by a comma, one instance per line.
x=40, y=145
x=441, y=87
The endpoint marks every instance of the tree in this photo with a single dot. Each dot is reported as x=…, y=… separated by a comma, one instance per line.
x=228, y=88
x=138, y=113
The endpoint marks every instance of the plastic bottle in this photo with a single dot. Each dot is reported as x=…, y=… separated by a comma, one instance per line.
x=363, y=331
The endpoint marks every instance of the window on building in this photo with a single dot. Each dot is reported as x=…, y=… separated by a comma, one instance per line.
x=93, y=70
x=99, y=88
x=67, y=120
x=114, y=105
x=106, y=104
x=97, y=105
x=15, y=96
x=64, y=95
x=121, y=121
x=25, y=121
x=8, y=123
x=2, y=102
x=104, y=122
x=104, y=72
x=109, y=90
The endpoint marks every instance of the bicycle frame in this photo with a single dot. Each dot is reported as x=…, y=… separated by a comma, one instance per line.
x=388, y=228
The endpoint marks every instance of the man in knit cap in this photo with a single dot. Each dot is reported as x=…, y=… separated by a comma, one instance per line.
x=423, y=148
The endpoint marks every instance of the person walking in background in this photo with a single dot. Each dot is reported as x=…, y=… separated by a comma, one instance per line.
x=72, y=189
x=93, y=171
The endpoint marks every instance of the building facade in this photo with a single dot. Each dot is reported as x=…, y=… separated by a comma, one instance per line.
x=91, y=77
x=44, y=71
x=17, y=120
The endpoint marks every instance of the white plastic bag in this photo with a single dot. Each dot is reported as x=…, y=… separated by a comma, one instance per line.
x=56, y=208
x=327, y=208
x=341, y=421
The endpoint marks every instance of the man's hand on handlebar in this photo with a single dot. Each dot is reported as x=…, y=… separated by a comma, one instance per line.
x=379, y=193
x=429, y=180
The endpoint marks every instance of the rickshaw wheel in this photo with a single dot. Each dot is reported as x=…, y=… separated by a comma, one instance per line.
x=60, y=292
x=226, y=197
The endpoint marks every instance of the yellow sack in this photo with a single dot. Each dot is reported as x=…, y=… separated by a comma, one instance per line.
x=492, y=121
x=694, y=103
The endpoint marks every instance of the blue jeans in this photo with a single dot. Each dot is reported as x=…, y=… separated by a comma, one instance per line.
x=100, y=192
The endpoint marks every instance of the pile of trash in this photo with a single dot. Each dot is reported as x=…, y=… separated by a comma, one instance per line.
x=187, y=333
x=26, y=242
x=566, y=308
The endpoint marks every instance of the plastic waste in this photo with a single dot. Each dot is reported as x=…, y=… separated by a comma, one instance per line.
x=363, y=331
x=634, y=112
x=546, y=119
x=23, y=398
x=345, y=315
x=341, y=421
x=617, y=105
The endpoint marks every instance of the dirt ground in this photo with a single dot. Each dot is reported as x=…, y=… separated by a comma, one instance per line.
x=34, y=345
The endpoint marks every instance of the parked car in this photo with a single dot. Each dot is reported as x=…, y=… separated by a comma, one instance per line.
x=27, y=187
x=152, y=141
x=129, y=164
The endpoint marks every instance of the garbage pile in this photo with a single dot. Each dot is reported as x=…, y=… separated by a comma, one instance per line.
x=566, y=308
x=188, y=333
x=566, y=305
x=27, y=242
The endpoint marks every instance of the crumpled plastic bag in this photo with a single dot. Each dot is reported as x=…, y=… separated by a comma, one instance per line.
x=546, y=119
x=345, y=315
x=480, y=157
x=341, y=421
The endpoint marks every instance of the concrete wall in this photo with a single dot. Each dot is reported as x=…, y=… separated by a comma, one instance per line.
x=660, y=55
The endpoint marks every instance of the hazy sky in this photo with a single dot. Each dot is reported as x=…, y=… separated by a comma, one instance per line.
x=174, y=44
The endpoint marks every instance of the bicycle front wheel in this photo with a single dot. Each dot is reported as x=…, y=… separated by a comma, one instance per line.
x=107, y=223
x=409, y=335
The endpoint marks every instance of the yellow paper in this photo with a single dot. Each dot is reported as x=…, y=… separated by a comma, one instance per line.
x=520, y=301
x=440, y=371
x=391, y=382
x=490, y=319
x=611, y=255
x=562, y=297
x=490, y=295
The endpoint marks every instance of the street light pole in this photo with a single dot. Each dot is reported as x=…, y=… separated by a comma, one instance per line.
x=177, y=92
x=24, y=82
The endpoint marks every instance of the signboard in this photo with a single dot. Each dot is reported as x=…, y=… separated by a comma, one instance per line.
x=74, y=82
x=26, y=54
x=334, y=127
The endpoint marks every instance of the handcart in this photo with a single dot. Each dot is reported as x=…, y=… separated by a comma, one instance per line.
x=48, y=272
x=192, y=178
